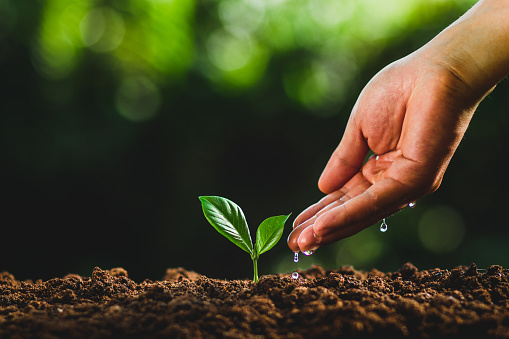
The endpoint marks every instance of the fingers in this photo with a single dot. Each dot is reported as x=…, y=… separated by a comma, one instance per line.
x=363, y=205
x=293, y=238
x=379, y=201
x=346, y=160
x=309, y=241
x=354, y=187
x=313, y=210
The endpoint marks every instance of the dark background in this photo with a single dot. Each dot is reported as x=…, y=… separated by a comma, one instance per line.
x=117, y=115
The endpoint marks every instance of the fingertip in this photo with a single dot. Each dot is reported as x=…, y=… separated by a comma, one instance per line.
x=335, y=176
x=345, y=161
x=292, y=241
x=308, y=241
x=324, y=184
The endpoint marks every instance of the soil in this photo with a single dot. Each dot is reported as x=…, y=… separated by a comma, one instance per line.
x=465, y=302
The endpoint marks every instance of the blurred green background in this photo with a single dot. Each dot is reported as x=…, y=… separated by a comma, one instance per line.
x=117, y=114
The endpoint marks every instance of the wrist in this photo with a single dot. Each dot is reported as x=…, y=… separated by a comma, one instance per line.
x=475, y=48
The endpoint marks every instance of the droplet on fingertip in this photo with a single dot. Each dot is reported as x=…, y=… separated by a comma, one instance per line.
x=383, y=226
x=296, y=257
x=412, y=204
x=308, y=253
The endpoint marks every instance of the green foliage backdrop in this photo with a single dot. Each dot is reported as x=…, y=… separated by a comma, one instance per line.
x=117, y=115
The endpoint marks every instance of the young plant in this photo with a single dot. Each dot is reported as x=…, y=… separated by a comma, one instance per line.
x=228, y=219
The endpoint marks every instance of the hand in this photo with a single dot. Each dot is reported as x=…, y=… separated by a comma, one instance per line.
x=412, y=115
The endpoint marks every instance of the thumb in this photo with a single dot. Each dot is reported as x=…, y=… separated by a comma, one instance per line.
x=345, y=162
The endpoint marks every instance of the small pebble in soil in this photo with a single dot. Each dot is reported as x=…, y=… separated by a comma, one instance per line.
x=295, y=275
x=296, y=257
x=383, y=226
x=308, y=252
x=412, y=204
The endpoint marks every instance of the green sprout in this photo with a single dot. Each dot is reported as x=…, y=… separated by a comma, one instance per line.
x=228, y=219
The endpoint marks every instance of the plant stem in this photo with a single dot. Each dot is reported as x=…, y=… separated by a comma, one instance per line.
x=255, y=267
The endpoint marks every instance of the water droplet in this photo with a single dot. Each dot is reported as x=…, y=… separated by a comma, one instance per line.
x=308, y=252
x=412, y=204
x=296, y=257
x=383, y=226
x=295, y=275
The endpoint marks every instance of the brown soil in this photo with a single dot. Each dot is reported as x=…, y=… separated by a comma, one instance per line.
x=464, y=302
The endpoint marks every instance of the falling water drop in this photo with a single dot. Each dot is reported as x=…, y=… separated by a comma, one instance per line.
x=308, y=253
x=412, y=204
x=383, y=226
x=295, y=275
x=296, y=257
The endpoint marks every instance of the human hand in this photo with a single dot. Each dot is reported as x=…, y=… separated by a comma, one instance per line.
x=412, y=115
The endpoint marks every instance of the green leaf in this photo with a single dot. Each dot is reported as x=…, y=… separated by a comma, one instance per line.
x=228, y=219
x=269, y=232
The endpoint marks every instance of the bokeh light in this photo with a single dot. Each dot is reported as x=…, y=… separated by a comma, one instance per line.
x=138, y=99
x=441, y=229
x=230, y=50
x=102, y=29
x=362, y=250
x=57, y=49
x=155, y=39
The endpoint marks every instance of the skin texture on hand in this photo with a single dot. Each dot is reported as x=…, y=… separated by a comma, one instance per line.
x=412, y=115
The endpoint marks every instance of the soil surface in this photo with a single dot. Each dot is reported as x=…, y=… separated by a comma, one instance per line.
x=465, y=302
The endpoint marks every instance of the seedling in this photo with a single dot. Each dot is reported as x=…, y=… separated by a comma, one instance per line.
x=228, y=219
